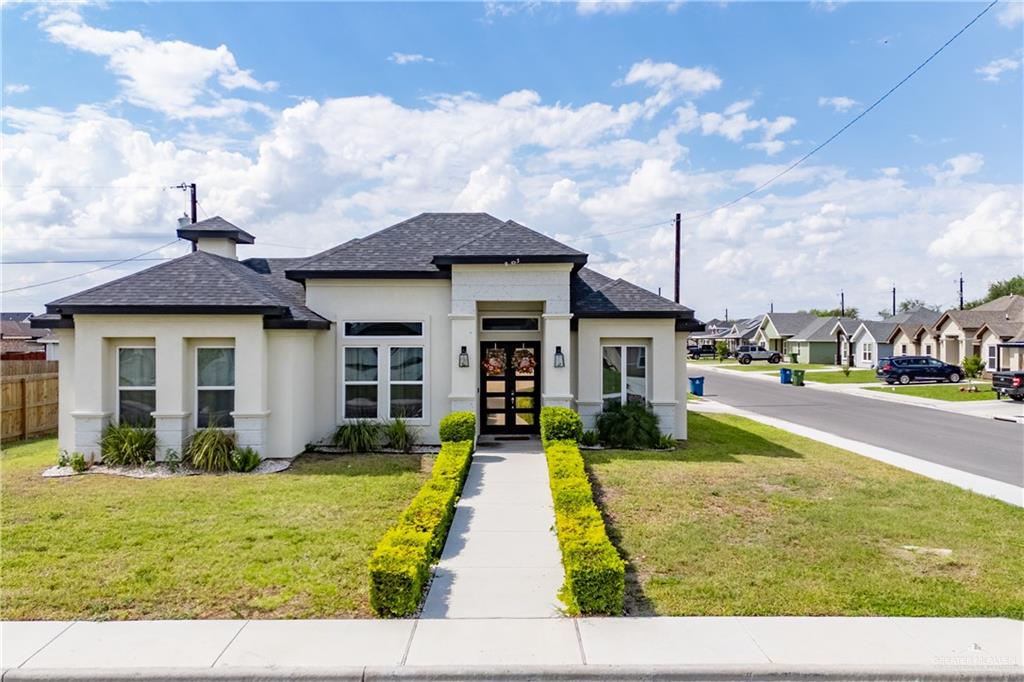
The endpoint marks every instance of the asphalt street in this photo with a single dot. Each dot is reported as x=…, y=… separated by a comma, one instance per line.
x=985, y=447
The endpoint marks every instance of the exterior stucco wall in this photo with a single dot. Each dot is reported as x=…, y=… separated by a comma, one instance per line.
x=291, y=362
x=901, y=340
x=395, y=300
x=66, y=391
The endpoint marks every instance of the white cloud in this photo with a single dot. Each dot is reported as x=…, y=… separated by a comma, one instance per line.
x=603, y=6
x=1011, y=13
x=173, y=77
x=995, y=68
x=672, y=78
x=994, y=228
x=840, y=104
x=954, y=169
x=16, y=88
x=402, y=58
x=733, y=124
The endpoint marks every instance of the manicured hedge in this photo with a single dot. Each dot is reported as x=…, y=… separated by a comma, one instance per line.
x=458, y=427
x=560, y=423
x=400, y=566
x=595, y=574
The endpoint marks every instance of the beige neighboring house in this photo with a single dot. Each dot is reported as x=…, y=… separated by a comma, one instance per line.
x=440, y=312
x=1002, y=345
x=955, y=334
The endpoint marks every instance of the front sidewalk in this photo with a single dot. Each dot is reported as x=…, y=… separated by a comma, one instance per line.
x=611, y=648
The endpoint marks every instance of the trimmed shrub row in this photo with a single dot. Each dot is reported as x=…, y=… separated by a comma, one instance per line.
x=400, y=566
x=560, y=423
x=595, y=574
x=457, y=427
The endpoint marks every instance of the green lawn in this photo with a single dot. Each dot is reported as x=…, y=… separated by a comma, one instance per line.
x=750, y=520
x=287, y=545
x=857, y=376
x=950, y=392
x=766, y=367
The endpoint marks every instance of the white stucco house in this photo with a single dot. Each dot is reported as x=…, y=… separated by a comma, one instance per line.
x=440, y=312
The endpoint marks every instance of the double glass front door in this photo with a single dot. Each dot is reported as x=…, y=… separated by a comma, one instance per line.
x=510, y=387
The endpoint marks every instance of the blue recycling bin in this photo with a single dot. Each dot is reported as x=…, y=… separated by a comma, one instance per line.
x=785, y=375
x=697, y=386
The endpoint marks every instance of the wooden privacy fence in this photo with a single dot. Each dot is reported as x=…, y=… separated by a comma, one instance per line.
x=29, y=398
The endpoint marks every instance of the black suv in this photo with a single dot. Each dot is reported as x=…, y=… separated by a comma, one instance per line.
x=907, y=368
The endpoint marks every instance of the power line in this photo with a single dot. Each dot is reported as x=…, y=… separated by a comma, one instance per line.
x=821, y=146
x=33, y=186
x=64, y=262
x=87, y=272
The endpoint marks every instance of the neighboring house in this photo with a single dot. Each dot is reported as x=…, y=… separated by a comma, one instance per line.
x=742, y=332
x=816, y=343
x=875, y=339
x=955, y=332
x=440, y=312
x=775, y=329
x=19, y=341
x=714, y=330
x=1000, y=345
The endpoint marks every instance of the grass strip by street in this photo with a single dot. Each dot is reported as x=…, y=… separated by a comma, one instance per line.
x=400, y=566
x=286, y=545
x=594, y=571
x=769, y=367
x=949, y=392
x=856, y=376
x=749, y=520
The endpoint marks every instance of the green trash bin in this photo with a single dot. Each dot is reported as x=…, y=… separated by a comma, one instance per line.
x=793, y=358
x=798, y=377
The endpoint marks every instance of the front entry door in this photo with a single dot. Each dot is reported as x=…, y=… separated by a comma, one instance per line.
x=510, y=387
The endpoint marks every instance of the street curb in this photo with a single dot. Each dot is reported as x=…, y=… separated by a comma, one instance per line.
x=695, y=673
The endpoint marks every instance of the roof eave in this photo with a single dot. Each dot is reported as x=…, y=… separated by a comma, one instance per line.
x=74, y=309
x=239, y=237
x=302, y=275
x=578, y=260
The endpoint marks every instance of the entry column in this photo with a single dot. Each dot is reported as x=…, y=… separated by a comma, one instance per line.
x=555, y=360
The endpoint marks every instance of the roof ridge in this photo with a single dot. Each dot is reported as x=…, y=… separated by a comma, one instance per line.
x=336, y=249
x=478, y=236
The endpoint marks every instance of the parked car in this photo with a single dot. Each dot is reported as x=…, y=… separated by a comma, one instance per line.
x=747, y=354
x=1009, y=384
x=907, y=368
x=703, y=351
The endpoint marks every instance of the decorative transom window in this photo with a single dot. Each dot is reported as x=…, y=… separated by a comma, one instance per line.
x=136, y=385
x=365, y=380
x=383, y=329
x=992, y=361
x=215, y=387
x=624, y=375
x=509, y=324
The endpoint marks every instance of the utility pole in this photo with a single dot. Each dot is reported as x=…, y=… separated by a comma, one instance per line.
x=726, y=314
x=679, y=248
x=893, y=299
x=842, y=304
x=961, y=291
x=771, y=306
x=193, y=202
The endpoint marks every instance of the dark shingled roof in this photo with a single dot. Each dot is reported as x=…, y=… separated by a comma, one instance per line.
x=215, y=228
x=788, y=324
x=592, y=294
x=196, y=283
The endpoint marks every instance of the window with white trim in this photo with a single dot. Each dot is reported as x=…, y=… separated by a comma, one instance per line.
x=215, y=387
x=361, y=382
x=383, y=329
x=903, y=349
x=992, y=362
x=867, y=351
x=136, y=385
x=624, y=375
x=928, y=349
x=405, y=391
x=372, y=389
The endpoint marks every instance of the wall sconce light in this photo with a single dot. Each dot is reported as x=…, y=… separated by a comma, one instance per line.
x=559, y=358
x=463, y=357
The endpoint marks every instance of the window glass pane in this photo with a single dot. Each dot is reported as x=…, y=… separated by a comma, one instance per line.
x=407, y=401
x=495, y=386
x=216, y=366
x=407, y=364
x=525, y=362
x=136, y=407
x=496, y=403
x=215, y=407
x=360, y=401
x=383, y=329
x=636, y=379
x=612, y=375
x=497, y=419
x=524, y=419
x=524, y=385
x=510, y=324
x=524, y=402
x=361, y=364
x=136, y=366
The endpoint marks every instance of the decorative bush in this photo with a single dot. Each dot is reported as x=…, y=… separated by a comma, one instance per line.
x=667, y=442
x=560, y=423
x=359, y=435
x=398, y=435
x=78, y=463
x=595, y=574
x=244, y=459
x=458, y=427
x=590, y=439
x=722, y=351
x=973, y=367
x=210, y=449
x=630, y=426
x=400, y=566
x=126, y=445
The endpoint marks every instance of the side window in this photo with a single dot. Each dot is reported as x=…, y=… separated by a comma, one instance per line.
x=624, y=384
x=360, y=381
x=136, y=386
x=215, y=387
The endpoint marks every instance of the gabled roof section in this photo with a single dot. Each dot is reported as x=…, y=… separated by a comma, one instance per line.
x=595, y=295
x=1005, y=330
x=878, y=330
x=788, y=324
x=427, y=245
x=820, y=329
x=197, y=283
x=215, y=228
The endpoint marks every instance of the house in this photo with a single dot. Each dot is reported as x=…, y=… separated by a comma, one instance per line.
x=816, y=343
x=875, y=339
x=714, y=330
x=19, y=341
x=440, y=312
x=742, y=332
x=1002, y=345
x=775, y=329
x=955, y=332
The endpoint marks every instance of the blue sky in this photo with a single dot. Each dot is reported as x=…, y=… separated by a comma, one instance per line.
x=308, y=124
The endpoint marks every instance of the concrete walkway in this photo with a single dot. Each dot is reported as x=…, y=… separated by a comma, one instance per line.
x=612, y=648
x=501, y=559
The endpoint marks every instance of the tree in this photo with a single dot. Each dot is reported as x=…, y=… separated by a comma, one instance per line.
x=721, y=350
x=910, y=305
x=833, y=312
x=973, y=367
x=1003, y=287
